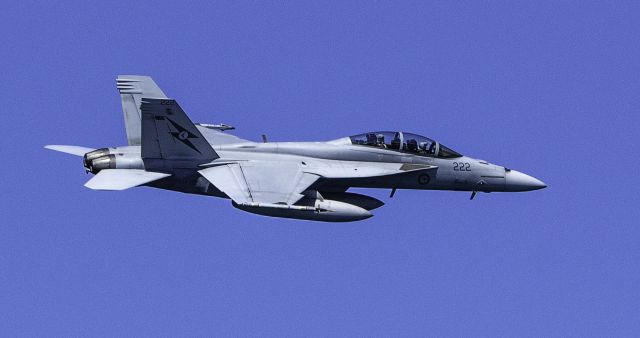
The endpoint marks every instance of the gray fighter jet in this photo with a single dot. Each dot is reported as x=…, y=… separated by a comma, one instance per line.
x=302, y=180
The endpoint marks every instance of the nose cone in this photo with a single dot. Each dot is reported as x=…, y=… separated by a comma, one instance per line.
x=517, y=181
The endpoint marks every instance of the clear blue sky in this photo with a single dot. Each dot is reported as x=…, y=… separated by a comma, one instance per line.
x=546, y=87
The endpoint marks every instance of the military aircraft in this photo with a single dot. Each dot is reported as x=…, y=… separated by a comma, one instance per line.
x=301, y=180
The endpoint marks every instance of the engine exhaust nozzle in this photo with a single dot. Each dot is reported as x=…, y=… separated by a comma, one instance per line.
x=90, y=156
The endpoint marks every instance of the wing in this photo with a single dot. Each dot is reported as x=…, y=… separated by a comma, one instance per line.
x=121, y=179
x=274, y=182
x=261, y=181
x=72, y=150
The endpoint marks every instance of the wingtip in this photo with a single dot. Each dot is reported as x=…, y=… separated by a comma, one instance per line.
x=71, y=150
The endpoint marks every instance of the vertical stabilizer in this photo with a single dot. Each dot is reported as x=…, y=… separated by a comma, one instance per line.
x=169, y=134
x=132, y=89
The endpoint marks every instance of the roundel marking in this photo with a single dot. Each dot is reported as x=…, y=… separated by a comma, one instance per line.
x=424, y=179
x=183, y=135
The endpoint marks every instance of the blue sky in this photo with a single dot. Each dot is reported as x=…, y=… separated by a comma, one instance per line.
x=549, y=88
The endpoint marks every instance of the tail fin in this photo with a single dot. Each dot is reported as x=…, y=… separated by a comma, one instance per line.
x=132, y=89
x=168, y=134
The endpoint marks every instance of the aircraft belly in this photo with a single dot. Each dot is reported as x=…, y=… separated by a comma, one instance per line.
x=189, y=182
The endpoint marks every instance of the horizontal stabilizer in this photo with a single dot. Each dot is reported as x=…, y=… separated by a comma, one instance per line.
x=121, y=179
x=73, y=150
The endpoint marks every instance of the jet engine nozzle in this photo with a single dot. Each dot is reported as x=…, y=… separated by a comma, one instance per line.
x=103, y=162
x=90, y=156
x=115, y=161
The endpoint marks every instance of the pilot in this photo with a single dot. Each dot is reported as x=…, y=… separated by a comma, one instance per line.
x=432, y=149
x=395, y=143
x=423, y=147
x=371, y=139
x=412, y=145
x=380, y=141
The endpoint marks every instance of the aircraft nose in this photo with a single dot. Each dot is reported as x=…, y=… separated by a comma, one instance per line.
x=517, y=181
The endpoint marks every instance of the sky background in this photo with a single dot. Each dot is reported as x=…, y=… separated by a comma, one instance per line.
x=550, y=88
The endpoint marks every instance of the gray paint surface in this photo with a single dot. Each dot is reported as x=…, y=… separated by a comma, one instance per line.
x=302, y=180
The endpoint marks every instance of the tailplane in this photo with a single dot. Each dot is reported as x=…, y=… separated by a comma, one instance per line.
x=71, y=150
x=121, y=179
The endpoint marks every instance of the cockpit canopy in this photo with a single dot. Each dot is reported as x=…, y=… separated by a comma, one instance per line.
x=404, y=142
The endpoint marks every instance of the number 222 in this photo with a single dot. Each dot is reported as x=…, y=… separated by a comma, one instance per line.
x=460, y=166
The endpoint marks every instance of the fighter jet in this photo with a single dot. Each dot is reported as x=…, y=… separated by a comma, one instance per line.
x=300, y=180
